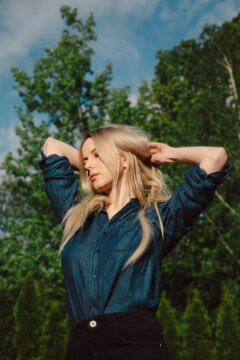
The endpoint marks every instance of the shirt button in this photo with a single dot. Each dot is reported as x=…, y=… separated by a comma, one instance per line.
x=94, y=276
x=97, y=250
x=93, y=323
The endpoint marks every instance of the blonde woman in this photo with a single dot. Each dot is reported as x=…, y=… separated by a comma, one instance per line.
x=116, y=237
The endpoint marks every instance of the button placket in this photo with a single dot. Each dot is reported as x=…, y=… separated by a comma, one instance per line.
x=94, y=307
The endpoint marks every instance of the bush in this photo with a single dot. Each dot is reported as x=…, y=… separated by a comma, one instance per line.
x=227, y=345
x=55, y=333
x=28, y=321
x=166, y=314
x=196, y=331
x=6, y=324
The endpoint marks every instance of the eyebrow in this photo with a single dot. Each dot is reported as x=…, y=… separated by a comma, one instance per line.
x=85, y=158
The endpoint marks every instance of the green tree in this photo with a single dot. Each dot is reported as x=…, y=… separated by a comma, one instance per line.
x=166, y=314
x=196, y=332
x=7, y=350
x=28, y=320
x=192, y=100
x=69, y=99
x=55, y=333
x=227, y=344
x=196, y=85
x=120, y=110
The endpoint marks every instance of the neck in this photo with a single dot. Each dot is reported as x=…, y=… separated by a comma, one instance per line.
x=118, y=198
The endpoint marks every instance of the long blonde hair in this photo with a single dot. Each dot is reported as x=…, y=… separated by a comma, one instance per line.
x=145, y=180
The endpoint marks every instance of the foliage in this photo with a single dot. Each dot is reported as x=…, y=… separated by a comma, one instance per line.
x=227, y=343
x=196, y=332
x=28, y=316
x=69, y=99
x=167, y=316
x=192, y=100
x=55, y=333
x=196, y=85
x=7, y=350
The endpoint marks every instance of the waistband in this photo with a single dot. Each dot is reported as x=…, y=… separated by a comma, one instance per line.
x=113, y=321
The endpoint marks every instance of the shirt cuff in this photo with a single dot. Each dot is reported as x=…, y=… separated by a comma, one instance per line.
x=197, y=176
x=217, y=176
x=50, y=159
x=55, y=166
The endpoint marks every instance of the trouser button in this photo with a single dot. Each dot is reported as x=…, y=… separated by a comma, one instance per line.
x=93, y=323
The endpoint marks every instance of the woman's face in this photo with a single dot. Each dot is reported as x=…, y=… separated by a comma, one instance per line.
x=98, y=174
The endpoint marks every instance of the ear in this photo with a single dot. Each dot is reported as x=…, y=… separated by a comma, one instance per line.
x=124, y=161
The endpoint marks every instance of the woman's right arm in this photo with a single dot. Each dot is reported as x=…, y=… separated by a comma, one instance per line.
x=60, y=184
x=53, y=146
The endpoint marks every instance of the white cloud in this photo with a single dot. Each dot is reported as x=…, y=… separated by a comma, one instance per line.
x=219, y=13
x=27, y=23
x=139, y=8
x=133, y=98
x=200, y=12
x=23, y=25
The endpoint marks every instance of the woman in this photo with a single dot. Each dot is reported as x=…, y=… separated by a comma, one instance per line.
x=115, y=238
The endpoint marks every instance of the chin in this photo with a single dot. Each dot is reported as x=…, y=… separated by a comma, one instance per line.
x=103, y=190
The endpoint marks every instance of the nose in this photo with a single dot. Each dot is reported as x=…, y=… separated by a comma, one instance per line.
x=88, y=165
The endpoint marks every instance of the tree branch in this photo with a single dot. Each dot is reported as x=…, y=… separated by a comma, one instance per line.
x=225, y=203
x=233, y=88
x=225, y=244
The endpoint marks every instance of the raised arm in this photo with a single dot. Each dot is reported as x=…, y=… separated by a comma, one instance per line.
x=195, y=191
x=53, y=146
x=211, y=159
x=60, y=183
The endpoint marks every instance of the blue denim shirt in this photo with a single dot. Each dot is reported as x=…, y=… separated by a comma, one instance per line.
x=93, y=258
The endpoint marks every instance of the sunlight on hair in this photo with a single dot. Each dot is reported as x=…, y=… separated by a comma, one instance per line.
x=144, y=179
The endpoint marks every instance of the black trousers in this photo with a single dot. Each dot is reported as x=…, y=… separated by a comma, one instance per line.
x=118, y=336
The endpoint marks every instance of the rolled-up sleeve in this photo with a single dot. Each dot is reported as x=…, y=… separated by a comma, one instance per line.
x=191, y=197
x=60, y=184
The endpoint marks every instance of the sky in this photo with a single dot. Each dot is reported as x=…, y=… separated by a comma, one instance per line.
x=130, y=32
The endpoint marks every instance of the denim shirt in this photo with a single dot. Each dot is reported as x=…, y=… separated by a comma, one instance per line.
x=92, y=261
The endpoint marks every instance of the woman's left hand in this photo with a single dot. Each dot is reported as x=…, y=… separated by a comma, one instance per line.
x=160, y=153
x=209, y=158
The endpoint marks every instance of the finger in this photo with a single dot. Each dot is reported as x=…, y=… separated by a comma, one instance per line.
x=153, y=144
x=152, y=151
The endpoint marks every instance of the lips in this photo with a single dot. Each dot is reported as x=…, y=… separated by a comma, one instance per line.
x=93, y=176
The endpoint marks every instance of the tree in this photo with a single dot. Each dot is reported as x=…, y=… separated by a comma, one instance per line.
x=167, y=316
x=7, y=350
x=196, y=85
x=70, y=99
x=192, y=100
x=227, y=344
x=55, y=333
x=28, y=318
x=196, y=332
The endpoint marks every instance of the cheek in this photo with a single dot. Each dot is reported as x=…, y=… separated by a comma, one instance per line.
x=106, y=173
x=109, y=176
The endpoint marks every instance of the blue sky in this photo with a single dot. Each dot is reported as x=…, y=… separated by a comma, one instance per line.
x=130, y=32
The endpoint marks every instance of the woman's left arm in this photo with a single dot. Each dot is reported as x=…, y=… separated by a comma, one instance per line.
x=209, y=158
x=194, y=192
